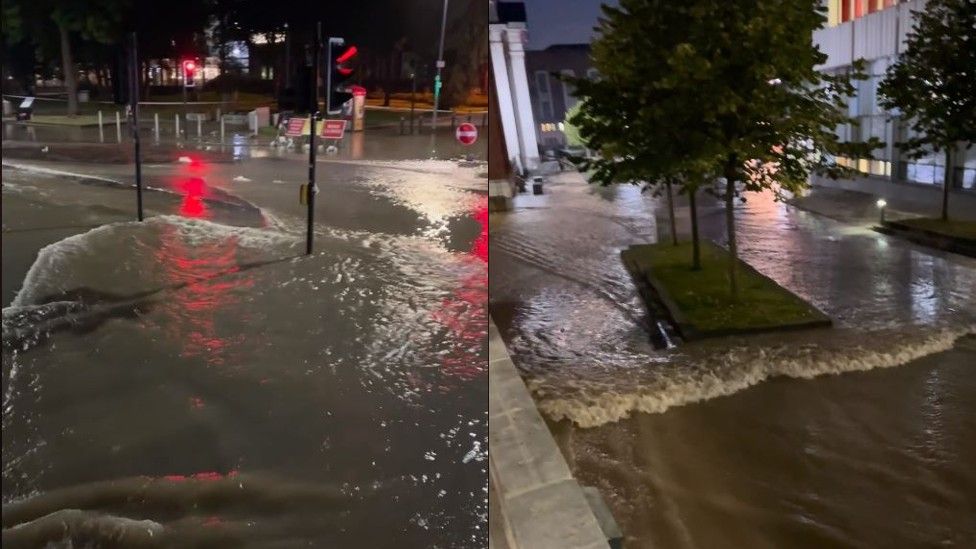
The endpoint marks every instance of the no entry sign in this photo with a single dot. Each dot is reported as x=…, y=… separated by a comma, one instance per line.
x=466, y=133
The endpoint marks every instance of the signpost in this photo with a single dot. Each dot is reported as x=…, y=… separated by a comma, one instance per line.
x=466, y=133
x=314, y=115
x=134, y=109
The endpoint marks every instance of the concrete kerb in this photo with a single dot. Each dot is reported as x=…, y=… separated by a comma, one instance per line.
x=931, y=239
x=657, y=300
x=541, y=504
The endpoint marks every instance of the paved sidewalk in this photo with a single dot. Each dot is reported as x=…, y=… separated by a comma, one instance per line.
x=537, y=504
x=859, y=205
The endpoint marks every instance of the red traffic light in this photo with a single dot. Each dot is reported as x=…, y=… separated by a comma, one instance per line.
x=347, y=55
x=189, y=66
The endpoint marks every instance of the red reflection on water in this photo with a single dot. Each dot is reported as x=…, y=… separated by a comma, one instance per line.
x=206, y=476
x=194, y=190
x=465, y=314
x=205, y=269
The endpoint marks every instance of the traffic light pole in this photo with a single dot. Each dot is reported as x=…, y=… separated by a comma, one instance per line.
x=313, y=116
x=134, y=99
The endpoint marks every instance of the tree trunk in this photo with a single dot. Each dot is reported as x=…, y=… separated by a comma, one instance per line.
x=947, y=183
x=674, y=229
x=68, y=66
x=730, y=227
x=695, y=247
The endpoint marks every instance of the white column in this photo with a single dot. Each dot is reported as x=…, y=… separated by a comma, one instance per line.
x=499, y=72
x=521, y=98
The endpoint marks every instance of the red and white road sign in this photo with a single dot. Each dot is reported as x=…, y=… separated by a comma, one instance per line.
x=466, y=133
x=296, y=126
x=333, y=129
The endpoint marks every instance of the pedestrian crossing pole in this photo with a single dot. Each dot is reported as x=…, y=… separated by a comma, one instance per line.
x=313, y=118
x=134, y=106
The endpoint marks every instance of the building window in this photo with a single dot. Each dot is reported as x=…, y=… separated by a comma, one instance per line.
x=568, y=99
x=592, y=74
x=544, y=94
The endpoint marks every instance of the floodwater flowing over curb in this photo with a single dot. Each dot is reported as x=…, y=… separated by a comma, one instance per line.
x=359, y=368
x=710, y=372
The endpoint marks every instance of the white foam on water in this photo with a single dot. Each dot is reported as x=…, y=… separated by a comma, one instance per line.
x=701, y=376
x=51, y=171
x=53, y=261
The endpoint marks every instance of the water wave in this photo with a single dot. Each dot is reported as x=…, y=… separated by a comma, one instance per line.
x=94, y=259
x=709, y=370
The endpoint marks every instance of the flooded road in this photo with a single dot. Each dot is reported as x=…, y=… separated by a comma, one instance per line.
x=789, y=456
x=195, y=380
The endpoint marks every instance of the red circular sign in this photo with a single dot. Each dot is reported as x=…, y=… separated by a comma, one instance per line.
x=466, y=133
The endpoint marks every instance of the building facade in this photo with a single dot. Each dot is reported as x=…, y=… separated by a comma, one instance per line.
x=507, y=36
x=551, y=97
x=876, y=31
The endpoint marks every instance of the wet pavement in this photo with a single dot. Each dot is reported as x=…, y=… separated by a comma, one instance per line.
x=781, y=459
x=198, y=371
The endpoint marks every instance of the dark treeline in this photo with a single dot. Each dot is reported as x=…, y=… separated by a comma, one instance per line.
x=56, y=39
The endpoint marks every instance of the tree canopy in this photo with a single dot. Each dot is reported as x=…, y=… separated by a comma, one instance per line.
x=702, y=88
x=933, y=82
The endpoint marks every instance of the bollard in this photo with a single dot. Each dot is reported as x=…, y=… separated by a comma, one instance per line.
x=402, y=120
x=101, y=130
x=453, y=121
x=218, y=113
x=199, y=127
x=177, y=132
x=156, y=124
x=118, y=127
x=221, y=127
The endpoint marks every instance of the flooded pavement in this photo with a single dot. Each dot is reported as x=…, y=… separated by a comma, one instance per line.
x=789, y=456
x=21, y=140
x=195, y=380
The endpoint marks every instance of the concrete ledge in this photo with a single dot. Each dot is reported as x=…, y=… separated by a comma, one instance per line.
x=657, y=300
x=541, y=506
x=500, y=193
x=932, y=239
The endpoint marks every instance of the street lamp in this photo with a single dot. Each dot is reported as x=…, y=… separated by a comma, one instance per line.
x=437, y=81
x=881, y=206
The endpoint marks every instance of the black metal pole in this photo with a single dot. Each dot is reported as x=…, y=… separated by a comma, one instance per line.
x=413, y=97
x=313, y=116
x=134, y=99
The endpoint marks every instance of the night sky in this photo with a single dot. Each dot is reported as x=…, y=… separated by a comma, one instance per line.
x=561, y=21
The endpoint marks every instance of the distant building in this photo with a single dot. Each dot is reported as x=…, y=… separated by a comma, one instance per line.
x=876, y=30
x=551, y=97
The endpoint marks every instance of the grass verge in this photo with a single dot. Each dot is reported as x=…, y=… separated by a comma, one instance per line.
x=699, y=302
x=951, y=228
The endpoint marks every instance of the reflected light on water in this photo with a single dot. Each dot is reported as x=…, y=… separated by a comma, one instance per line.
x=465, y=313
x=194, y=191
x=208, y=272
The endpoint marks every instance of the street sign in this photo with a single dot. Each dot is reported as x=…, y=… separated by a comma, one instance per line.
x=333, y=129
x=466, y=133
x=296, y=127
x=440, y=64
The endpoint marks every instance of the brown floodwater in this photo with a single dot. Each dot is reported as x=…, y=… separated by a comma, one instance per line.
x=862, y=435
x=866, y=459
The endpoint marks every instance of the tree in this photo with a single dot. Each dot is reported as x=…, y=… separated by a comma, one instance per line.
x=933, y=83
x=700, y=88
